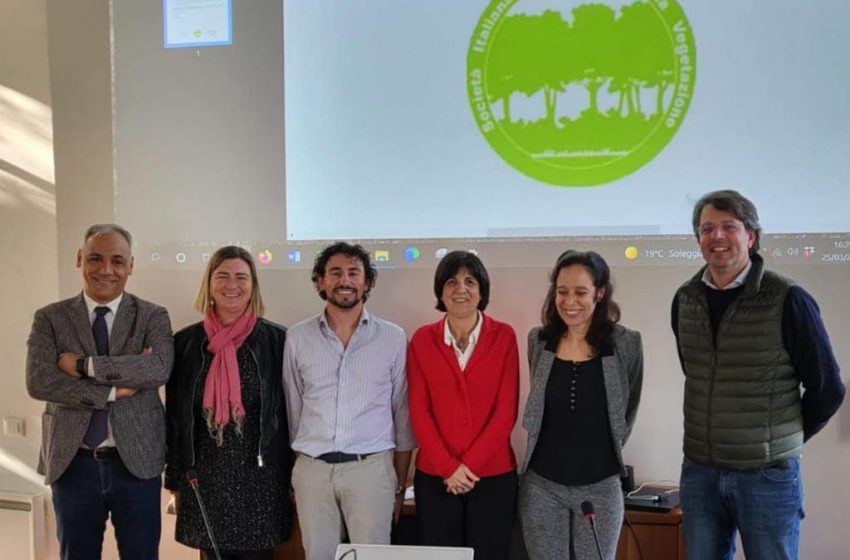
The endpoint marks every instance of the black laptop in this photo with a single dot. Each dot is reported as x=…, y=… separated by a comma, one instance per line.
x=652, y=498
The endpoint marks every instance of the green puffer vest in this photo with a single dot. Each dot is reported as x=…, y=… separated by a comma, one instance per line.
x=742, y=398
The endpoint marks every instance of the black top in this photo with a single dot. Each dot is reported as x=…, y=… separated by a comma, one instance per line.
x=247, y=505
x=718, y=302
x=574, y=446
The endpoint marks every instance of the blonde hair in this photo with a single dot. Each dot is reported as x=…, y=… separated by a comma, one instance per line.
x=203, y=301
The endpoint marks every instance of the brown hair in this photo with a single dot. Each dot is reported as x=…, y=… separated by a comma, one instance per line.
x=607, y=312
x=736, y=204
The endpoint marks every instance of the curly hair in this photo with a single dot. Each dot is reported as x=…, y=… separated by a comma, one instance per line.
x=342, y=248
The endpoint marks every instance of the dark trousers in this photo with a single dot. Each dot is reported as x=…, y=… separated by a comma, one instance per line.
x=88, y=492
x=209, y=554
x=481, y=519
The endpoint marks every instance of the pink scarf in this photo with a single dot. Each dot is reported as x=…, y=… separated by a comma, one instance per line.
x=223, y=389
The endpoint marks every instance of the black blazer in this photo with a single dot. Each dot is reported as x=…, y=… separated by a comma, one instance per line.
x=266, y=346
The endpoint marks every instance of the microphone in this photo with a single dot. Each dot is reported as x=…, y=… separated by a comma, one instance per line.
x=192, y=478
x=590, y=515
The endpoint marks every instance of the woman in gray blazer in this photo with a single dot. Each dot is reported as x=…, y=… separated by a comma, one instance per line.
x=586, y=375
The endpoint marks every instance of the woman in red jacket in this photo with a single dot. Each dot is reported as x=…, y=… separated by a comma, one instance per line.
x=463, y=376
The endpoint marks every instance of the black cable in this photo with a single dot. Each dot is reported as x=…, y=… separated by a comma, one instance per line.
x=349, y=551
x=634, y=536
x=192, y=477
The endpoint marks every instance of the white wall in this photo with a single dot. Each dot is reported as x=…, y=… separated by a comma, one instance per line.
x=27, y=205
x=27, y=222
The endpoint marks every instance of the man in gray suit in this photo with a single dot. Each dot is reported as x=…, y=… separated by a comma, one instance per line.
x=98, y=360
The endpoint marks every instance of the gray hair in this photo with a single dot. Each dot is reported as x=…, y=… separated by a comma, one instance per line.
x=100, y=229
x=735, y=203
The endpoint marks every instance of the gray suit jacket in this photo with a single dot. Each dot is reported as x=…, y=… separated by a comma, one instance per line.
x=138, y=422
x=623, y=372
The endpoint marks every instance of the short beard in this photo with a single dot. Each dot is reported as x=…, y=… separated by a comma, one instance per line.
x=345, y=304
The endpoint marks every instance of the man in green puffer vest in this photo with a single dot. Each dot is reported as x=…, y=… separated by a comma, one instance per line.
x=748, y=339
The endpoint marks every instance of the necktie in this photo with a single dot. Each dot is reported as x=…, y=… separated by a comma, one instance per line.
x=97, y=430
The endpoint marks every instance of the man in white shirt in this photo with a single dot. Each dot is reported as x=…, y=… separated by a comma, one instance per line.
x=346, y=394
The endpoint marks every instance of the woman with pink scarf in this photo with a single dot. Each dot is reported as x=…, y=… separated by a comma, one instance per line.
x=226, y=419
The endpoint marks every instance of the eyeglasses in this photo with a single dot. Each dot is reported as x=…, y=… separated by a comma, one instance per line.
x=706, y=230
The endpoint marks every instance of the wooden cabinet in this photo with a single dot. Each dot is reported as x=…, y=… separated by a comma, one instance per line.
x=659, y=536
x=291, y=549
x=652, y=536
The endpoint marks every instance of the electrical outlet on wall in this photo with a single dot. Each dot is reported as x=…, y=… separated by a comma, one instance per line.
x=14, y=426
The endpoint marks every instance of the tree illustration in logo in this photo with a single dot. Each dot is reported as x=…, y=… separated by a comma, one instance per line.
x=632, y=69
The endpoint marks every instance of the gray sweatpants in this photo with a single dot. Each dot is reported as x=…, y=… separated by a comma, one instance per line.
x=551, y=518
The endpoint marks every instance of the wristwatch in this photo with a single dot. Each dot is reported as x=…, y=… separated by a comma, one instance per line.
x=399, y=490
x=81, y=367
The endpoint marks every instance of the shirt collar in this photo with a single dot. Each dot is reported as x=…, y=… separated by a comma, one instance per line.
x=449, y=338
x=738, y=281
x=365, y=317
x=91, y=304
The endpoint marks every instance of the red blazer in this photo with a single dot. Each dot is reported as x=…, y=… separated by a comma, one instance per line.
x=464, y=416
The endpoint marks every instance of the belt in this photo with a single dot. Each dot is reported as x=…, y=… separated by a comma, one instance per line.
x=100, y=454
x=335, y=457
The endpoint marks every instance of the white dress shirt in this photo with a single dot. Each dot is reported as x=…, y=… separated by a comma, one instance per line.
x=462, y=355
x=351, y=398
x=738, y=281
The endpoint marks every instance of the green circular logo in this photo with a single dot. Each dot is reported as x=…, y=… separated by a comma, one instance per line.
x=584, y=96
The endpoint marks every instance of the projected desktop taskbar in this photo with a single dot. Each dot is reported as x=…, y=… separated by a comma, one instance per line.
x=662, y=250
